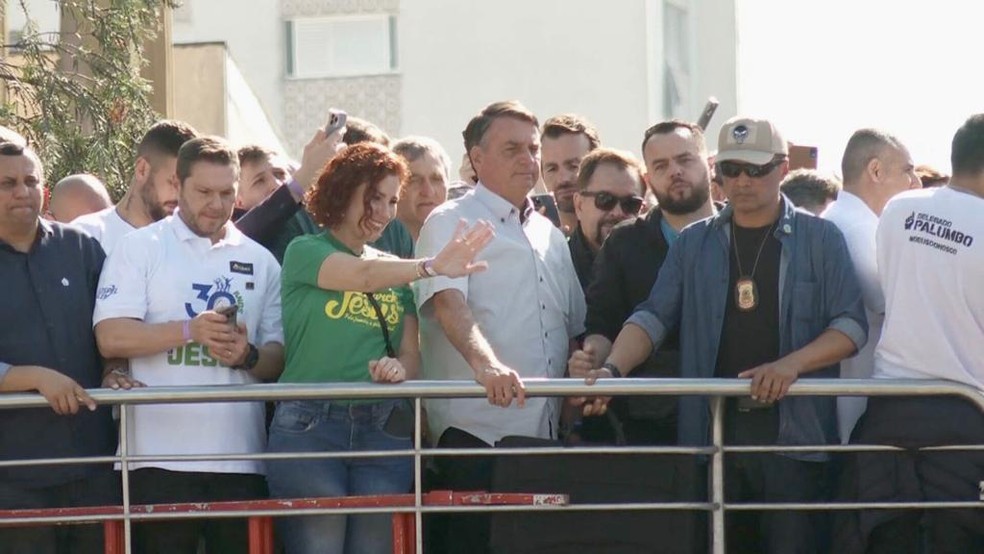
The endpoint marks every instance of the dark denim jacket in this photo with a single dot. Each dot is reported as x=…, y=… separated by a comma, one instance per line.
x=818, y=290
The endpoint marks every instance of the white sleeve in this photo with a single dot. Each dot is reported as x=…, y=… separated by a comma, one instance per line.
x=866, y=264
x=435, y=234
x=271, y=326
x=122, y=290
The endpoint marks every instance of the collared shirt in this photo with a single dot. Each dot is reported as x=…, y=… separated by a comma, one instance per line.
x=528, y=305
x=818, y=290
x=165, y=272
x=46, y=319
x=931, y=263
x=858, y=224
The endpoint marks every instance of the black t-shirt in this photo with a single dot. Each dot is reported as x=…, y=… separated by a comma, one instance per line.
x=751, y=338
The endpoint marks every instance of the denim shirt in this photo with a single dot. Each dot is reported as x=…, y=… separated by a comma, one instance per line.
x=818, y=290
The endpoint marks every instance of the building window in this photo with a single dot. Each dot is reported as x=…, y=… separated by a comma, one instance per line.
x=676, y=59
x=342, y=46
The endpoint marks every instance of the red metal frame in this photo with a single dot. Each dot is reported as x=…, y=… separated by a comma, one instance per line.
x=261, y=527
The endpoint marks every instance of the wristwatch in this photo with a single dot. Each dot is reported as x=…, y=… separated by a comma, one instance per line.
x=612, y=368
x=252, y=357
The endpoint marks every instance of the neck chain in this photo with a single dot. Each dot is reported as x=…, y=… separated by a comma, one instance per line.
x=746, y=291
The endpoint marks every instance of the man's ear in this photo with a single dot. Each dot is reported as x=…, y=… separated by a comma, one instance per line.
x=874, y=169
x=578, y=200
x=142, y=169
x=477, y=157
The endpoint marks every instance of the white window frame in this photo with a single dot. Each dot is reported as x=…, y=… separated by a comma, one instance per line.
x=292, y=72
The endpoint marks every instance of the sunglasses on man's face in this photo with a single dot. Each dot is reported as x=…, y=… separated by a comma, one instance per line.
x=606, y=201
x=732, y=170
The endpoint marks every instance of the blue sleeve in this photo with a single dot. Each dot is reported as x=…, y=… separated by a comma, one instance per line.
x=4, y=368
x=661, y=311
x=845, y=302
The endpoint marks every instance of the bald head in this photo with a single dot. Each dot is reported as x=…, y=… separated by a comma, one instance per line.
x=77, y=195
x=864, y=146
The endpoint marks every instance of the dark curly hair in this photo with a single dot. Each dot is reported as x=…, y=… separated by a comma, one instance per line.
x=360, y=164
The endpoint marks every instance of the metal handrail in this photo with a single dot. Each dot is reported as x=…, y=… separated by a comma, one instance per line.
x=716, y=388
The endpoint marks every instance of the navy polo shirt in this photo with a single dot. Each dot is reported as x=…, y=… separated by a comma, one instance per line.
x=46, y=301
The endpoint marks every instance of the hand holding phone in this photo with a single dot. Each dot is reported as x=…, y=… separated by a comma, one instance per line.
x=230, y=311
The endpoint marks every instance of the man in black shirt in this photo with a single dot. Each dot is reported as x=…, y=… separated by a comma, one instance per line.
x=609, y=191
x=629, y=261
x=49, y=273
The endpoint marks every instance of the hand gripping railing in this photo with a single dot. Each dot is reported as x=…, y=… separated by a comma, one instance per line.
x=715, y=388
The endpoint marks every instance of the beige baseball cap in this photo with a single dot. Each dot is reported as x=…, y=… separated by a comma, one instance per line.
x=754, y=141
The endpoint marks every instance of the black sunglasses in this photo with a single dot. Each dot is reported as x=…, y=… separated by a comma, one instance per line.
x=734, y=169
x=607, y=201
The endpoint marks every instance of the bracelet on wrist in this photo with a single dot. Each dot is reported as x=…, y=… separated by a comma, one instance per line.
x=428, y=267
x=421, y=273
x=186, y=331
x=296, y=188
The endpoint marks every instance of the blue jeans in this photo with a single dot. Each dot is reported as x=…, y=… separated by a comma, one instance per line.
x=323, y=426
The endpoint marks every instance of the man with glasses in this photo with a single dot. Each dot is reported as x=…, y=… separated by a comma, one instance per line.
x=678, y=174
x=765, y=292
x=609, y=191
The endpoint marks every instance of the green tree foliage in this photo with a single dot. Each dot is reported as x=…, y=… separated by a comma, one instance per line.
x=78, y=94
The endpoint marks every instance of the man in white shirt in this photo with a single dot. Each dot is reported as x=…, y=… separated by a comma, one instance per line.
x=153, y=192
x=876, y=166
x=514, y=321
x=930, y=252
x=158, y=304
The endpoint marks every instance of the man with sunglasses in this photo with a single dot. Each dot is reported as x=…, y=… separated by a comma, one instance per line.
x=677, y=173
x=609, y=191
x=760, y=291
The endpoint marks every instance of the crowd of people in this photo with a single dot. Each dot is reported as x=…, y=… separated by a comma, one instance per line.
x=365, y=262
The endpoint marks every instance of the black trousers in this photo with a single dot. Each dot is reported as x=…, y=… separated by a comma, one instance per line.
x=770, y=478
x=100, y=489
x=465, y=533
x=913, y=476
x=178, y=536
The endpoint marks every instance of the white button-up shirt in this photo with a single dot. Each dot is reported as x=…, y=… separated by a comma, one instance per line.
x=858, y=224
x=528, y=305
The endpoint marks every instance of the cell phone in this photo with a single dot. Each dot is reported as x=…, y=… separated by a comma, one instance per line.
x=708, y=113
x=336, y=120
x=802, y=157
x=230, y=312
x=547, y=205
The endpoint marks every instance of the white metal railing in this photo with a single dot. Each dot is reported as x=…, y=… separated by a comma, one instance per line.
x=717, y=389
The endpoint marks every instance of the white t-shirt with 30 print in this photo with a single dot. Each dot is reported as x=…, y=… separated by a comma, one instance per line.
x=165, y=272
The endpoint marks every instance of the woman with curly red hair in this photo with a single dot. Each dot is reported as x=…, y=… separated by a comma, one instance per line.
x=349, y=316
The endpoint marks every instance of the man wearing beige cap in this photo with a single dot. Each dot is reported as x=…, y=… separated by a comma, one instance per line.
x=759, y=291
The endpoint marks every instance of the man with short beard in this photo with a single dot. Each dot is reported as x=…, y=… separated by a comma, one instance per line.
x=609, y=191
x=566, y=140
x=153, y=192
x=629, y=261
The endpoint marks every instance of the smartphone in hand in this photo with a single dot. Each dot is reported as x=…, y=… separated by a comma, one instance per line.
x=546, y=204
x=336, y=120
x=230, y=311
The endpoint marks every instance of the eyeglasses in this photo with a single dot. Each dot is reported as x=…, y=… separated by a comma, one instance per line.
x=606, y=201
x=732, y=170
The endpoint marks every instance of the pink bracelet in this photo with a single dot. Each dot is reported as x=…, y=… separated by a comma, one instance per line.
x=296, y=188
x=186, y=330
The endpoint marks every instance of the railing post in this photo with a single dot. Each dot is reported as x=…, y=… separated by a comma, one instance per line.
x=125, y=477
x=717, y=476
x=418, y=477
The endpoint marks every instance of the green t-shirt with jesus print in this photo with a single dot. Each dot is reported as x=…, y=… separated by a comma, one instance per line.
x=331, y=335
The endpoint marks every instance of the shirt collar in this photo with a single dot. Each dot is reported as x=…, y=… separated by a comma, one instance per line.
x=44, y=227
x=233, y=236
x=853, y=203
x=500, y=207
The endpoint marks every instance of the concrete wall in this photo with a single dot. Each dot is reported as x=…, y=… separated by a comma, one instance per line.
x=253, y=32
x=199, y=86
